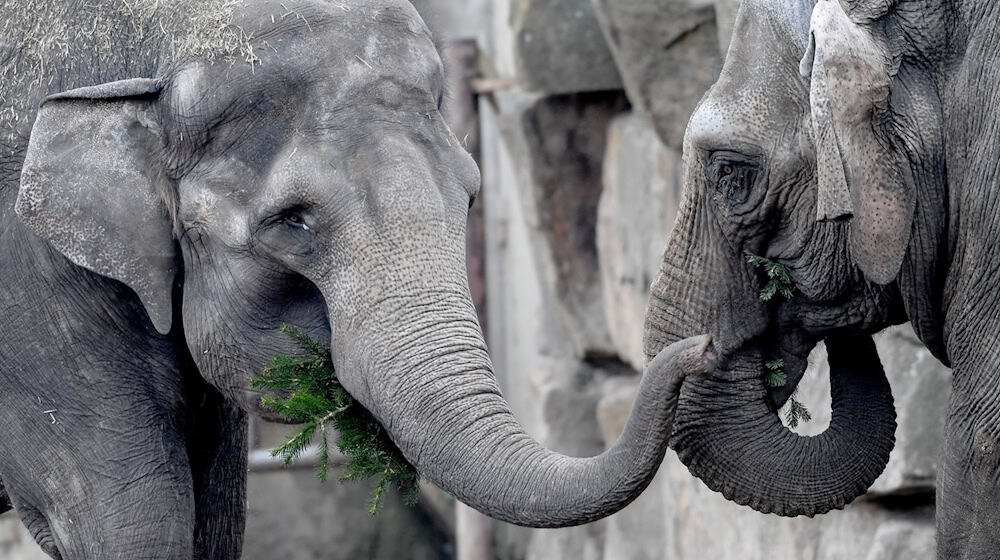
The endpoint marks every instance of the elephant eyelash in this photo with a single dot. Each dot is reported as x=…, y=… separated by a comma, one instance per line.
x=295, y=220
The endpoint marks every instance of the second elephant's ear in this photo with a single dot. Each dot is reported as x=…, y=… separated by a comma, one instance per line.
x=89, y=187
x=860, y=176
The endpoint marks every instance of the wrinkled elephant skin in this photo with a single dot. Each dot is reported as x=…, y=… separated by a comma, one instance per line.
x=853, y=143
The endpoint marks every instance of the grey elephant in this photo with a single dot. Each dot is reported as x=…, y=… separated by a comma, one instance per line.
x=855, y=143
x=180, y=179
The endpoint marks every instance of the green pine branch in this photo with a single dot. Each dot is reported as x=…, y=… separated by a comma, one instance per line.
x=774, y=373
x=797, y=413
x=315, y=399
x=778, y=280
x=775, y=377
x=778, y=283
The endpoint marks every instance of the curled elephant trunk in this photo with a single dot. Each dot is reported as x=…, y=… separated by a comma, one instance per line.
x=726, y=432
x=739, y=447
x=437, y=396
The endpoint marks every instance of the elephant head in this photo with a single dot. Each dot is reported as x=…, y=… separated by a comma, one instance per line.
x=318, y=187
x=812, y=150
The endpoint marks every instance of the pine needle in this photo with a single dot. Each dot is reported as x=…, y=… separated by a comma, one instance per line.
x=317, y=398
x=778, y=283
x=778, y=280
x=796, y=413
x=774, y=375
x=775, y=379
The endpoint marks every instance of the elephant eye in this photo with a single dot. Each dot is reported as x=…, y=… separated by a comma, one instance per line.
x=296, y=220
x=731, y=176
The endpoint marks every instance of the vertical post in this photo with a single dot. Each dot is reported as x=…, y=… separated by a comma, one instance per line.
x=473, y=530
x=473, y=534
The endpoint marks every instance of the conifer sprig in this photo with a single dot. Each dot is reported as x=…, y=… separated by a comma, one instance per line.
x=316, y=399
x=774, y=374
x=775, y=377
x=778, y=281
x=797, y=412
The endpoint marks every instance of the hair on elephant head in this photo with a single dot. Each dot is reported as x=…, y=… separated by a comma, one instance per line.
x=812, y=150
x=317, y=186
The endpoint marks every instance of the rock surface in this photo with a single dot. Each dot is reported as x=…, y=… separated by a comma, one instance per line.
x=668, y=55
x=638, y=205
x=450, y=20
x=559, y=47
x=559, y=142
x=293, y=516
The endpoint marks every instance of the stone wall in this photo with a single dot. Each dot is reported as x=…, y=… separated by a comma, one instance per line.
x=581, y=185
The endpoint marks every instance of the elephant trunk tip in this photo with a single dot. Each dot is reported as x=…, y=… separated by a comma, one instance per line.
x=706, y=359
x=699, y=358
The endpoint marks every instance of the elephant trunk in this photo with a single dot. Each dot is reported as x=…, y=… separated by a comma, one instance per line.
x=437, y=396
x=731, y=439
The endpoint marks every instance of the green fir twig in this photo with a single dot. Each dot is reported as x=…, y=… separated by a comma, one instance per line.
x=316, y=399
x=775, y=377
x=778, y=283
x=774, y=374
x=797, y=413
x=778, y=280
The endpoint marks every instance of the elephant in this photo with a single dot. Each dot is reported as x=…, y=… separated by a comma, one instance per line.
x=854, y=144
x=180, y=180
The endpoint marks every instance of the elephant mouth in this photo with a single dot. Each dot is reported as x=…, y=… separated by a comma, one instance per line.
x=784, y=347
x=787, y=357
x=784, y=359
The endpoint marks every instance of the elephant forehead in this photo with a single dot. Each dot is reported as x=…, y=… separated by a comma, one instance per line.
x=760, y=96
x=330, y=60
x=745, y=120
x=349, y=29
x=381, y=69
x=788, y=19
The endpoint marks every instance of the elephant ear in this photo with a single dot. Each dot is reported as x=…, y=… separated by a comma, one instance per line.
x=89, y=187
x=859, y=175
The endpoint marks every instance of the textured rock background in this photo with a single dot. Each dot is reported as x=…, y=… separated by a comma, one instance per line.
x=581, y=179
